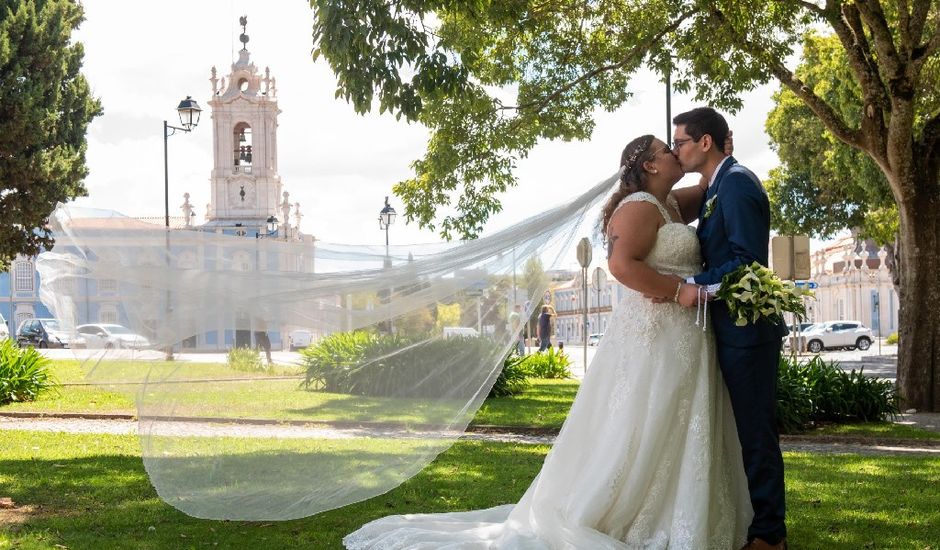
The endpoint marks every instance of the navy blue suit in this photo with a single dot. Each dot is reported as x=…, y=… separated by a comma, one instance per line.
x=737, y=232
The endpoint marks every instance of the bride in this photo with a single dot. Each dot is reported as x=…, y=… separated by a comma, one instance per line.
x=648, y=456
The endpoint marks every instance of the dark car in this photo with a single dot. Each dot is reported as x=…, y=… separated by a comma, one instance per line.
x=41, y=333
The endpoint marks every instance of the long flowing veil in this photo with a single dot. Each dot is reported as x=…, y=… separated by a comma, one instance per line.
x=382, y=385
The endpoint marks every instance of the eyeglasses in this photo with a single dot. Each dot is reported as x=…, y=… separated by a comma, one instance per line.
x=678, y=143
x=665, y=149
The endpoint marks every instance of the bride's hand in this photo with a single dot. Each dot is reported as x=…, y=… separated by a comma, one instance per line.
x=690, y=295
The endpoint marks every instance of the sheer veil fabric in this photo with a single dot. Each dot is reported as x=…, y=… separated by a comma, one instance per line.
x=648, y=457
x=388, y=394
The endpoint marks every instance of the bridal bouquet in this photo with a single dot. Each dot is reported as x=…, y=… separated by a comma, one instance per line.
x=754, y=291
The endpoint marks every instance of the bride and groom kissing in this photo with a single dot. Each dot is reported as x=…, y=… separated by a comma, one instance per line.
x=672, y=439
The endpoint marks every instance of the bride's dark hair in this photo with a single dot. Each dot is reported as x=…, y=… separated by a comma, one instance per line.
x=632, y=179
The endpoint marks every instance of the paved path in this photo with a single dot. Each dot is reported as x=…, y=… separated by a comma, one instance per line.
x=832, y=445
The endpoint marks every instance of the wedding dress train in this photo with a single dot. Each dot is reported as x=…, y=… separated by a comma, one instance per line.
x=648, y=457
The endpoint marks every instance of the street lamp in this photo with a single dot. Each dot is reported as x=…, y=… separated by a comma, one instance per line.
x=189, y=112
x=386, y=218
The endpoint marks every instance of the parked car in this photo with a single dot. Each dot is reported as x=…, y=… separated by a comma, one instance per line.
x=107, y=336
x=4, y=330
x=595, y=339
x=42, y=333
x=299, y=339
x=837, y=335
x=788, y=339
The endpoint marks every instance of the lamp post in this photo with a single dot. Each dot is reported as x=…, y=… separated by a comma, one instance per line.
x=189, y=112
x=386, y=219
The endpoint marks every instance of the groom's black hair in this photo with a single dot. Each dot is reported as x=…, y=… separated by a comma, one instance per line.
x=704, y=120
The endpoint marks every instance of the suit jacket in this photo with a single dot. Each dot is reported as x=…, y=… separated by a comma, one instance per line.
x=736, y=232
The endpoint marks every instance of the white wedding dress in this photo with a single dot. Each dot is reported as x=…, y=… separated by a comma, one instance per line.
x=648, y=457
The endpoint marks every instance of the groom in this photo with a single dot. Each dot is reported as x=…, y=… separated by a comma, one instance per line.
x=734, y=229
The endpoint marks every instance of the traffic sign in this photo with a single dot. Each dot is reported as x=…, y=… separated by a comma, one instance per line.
x=808, y=284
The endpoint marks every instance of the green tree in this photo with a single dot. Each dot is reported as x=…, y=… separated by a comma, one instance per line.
x=824, y=185
x=45, y=108
x=439, y=63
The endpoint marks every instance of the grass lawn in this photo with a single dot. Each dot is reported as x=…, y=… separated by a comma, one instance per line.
x=91, y=491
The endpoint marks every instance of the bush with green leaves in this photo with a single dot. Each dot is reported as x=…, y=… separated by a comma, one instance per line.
x=892, y=339
x=815, y=391
x=514, y=376
x=548, y=364
x=366, y=363
x=246, y=360
x=24, y=373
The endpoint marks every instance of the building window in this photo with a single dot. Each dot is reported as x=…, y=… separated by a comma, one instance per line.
x=107, y=285
x=23, y=275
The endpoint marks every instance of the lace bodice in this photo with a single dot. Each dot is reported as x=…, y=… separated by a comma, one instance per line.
x=677, y=248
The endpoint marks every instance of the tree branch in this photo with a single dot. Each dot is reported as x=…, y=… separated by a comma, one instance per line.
x=930, y=48
x=919, y=20
x=639, y=49
x=874, y=18
x=815, y=8
x=904, y=29
x=826, y=114
x=851, y=33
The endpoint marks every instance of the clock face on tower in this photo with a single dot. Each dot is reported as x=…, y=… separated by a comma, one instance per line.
x=242, y=194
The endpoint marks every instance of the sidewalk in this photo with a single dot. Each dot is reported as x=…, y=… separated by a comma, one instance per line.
x=123, y=425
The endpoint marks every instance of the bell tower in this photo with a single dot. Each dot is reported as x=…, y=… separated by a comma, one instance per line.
x=245, y=186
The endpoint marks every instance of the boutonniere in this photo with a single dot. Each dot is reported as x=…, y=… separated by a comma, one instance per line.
x=710, y=206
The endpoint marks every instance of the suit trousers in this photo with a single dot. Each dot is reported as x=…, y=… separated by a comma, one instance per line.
x=751, y=376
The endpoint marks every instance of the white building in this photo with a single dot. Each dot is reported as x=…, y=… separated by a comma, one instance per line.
x=854, y=284
x=568, y=300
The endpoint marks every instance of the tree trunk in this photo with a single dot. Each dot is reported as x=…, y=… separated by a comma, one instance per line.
x=919, y=345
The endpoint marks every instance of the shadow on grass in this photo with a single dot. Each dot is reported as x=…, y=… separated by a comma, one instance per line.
x=106, y=501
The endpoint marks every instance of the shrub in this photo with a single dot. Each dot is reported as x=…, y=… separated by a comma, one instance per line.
x=363, y=363
x=514, y=376
x=820, y=391
x=794, y=399
x=892, y=339
x=548, y=364
x=24, y=373
x=246, y=360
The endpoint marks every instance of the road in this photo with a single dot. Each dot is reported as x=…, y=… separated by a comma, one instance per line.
x=883, y=365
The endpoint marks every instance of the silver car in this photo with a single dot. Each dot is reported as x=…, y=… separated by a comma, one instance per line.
x=837, y=335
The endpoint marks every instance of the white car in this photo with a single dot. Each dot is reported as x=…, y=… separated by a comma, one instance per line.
x=837, y=334
x=4, y=329
x=104, y=335
x=595, y=339
x=299, y=339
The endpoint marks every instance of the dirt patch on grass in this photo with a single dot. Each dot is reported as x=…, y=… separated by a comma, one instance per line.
x=17, y=515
